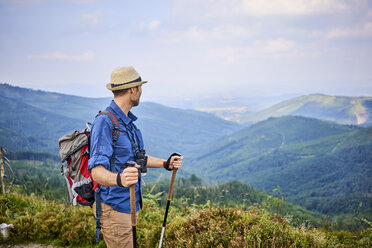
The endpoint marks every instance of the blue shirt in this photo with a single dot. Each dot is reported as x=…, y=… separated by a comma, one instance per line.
x=101, y=151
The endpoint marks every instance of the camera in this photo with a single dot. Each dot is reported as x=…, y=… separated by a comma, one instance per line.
x=141, y=160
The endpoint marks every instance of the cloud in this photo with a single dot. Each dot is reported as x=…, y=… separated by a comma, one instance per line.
x=23, y=2
x=296, y=7
x=154, y=24
x=92, y=19
x=359, y=32
x=64, y=56
x=179, y=36
x=277, y=46
x=262, y=49
x=216, y=20
x=36, y=2
x=79, y=1
x=198, y=34
x=239, y=8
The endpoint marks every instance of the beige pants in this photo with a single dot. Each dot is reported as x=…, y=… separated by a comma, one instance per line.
x=116, y=227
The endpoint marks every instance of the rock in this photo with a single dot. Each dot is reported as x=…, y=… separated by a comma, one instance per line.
x=4, y=229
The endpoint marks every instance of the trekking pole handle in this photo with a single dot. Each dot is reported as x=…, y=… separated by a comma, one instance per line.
x=172, y=184
x=173, y=178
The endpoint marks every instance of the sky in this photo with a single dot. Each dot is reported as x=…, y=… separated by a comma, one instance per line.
x=189, y=49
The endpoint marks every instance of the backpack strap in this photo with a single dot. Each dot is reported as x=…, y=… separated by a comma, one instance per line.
x=98, y=213
x=115, y=136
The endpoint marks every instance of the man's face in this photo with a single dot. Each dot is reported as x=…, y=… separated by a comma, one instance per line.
x=136, y=95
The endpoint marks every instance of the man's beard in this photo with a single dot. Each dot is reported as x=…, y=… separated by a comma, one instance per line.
x=135, y=103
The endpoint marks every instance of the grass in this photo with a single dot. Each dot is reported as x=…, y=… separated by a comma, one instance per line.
x=40, y=221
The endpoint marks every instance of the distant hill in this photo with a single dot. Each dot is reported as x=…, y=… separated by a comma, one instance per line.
x=168, y=129
x=318, y=164
x=75, y=107
x=34, y=120
x=24, y=127
x=341, y=109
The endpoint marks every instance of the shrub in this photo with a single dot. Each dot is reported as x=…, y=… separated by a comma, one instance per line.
x=40, y=221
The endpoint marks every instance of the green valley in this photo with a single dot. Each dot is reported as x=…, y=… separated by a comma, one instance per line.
x=320, y=165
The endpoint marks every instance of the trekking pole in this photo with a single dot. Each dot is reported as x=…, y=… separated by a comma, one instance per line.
x=168, y=203
x=133, y=213
x=133, y=209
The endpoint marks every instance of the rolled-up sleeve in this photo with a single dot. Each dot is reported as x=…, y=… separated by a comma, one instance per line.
x=100, y=143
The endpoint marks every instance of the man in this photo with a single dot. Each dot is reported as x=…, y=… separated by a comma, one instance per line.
x=126, y=85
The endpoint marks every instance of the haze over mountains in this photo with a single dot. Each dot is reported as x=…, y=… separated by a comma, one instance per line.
x=322, y=165
x=341, y=109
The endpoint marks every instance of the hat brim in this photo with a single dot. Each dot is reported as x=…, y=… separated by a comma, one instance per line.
x=126, y=86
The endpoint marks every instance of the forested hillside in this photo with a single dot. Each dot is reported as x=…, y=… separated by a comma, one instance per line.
x=24, y=127
x=75, y=107
x=341, y=109
x=34, y=120
x=320, y=165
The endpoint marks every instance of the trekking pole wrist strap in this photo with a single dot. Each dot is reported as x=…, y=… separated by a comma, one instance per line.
x=166, y=163
x=118, y=180
x=124, y=166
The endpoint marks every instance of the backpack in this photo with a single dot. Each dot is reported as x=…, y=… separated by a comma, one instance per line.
x=74, y=149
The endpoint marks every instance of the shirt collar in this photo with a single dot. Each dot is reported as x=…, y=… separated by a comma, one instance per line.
x=121, y=115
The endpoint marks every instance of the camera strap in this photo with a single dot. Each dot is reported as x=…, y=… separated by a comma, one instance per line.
x=135, y=146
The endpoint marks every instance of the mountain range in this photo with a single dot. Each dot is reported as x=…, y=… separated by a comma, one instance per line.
x=34, y=120
x=320, y=164
x=341, y=109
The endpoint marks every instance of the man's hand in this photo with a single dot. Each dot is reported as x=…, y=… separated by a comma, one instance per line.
x=175, y=162
x=129, y=176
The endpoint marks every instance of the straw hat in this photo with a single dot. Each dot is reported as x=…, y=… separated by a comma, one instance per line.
x=124, y=78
